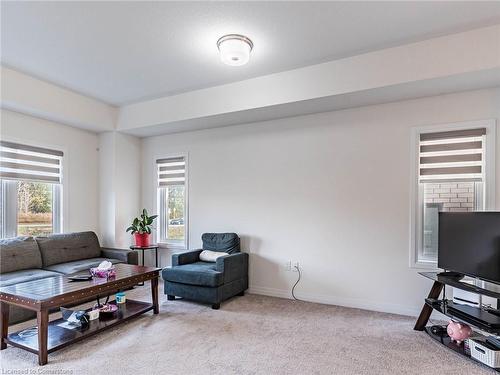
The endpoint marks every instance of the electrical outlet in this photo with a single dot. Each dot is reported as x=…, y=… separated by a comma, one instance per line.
x=291, y=266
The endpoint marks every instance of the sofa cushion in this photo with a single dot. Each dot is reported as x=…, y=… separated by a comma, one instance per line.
x=17, y=277
x=79, y=265
x=68, y=247
x=198, y=273
x=19, y=253
x=226, y=242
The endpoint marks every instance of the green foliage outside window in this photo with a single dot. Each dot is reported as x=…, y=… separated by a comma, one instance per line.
x=34, y=208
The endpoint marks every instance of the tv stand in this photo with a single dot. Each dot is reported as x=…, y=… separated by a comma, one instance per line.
x=456, y=275
x=486, y=320
x=494, y=311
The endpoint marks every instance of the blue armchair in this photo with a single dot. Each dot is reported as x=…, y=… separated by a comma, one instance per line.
x=192, y=279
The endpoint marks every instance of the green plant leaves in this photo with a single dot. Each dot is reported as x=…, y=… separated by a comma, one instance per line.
x=142, y=224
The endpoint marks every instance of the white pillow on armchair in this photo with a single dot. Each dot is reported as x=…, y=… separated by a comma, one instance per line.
x=211, y=256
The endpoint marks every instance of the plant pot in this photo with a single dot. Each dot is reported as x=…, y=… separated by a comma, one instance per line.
x=141, y=239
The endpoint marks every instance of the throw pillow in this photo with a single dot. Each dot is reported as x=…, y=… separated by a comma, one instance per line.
x=211, y=256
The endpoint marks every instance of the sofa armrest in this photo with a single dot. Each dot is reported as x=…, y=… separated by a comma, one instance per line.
x=125, y=255
x=186, y=257
x=233, y=266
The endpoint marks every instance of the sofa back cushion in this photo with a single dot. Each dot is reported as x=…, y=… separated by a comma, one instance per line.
x=19, y=253
x=226, y=242
x=68, y=247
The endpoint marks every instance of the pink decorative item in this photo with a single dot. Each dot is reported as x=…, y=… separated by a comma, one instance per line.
x=458, y=331
x=108, y=309
x=104, y=270
x=103, y=274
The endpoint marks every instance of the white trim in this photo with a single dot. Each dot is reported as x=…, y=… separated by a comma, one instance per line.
x=490, y=165
x=57, y=210
x=167, y=245
x=489, y=177
x=9, y=203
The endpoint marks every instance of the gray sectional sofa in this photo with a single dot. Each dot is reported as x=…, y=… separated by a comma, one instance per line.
x=34, y=258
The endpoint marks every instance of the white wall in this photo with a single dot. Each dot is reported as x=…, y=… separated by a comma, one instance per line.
x=26, y=94
x=120, y=176
x=80, y=173
x=329, y=190
x=107, y=201
x=128, y=182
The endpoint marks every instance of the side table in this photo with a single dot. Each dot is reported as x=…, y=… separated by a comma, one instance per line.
x=142, y=249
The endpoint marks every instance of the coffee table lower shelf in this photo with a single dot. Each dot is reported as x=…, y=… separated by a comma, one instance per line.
x=59, y=337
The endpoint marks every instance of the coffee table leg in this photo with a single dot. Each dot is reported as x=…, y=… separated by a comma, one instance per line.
x=154, y=293
x=4, y=311
x=43, y=326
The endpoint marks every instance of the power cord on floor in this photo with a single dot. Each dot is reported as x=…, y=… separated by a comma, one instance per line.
x=294, y=285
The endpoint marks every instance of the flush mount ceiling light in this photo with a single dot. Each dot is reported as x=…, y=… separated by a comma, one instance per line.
x=234, y=49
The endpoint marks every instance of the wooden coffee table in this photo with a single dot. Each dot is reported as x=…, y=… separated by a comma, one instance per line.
x=47, y=294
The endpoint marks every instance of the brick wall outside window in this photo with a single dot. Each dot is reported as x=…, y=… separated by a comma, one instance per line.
x=452, y=196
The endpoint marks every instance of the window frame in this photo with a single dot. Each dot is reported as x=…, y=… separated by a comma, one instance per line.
x=60, y=211
x=8, y=193
x=160, y=200
x=9, y=213
x=416, y=196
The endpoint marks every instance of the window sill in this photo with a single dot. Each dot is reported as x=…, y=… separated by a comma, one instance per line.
x=168, y=246
x=425, y=265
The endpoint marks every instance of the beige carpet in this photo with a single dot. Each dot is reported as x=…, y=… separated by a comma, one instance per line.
x=252, y=335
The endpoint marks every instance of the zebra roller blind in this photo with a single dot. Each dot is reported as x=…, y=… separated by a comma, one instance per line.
x=171, y=171
x=452, y=155
x=29, y=163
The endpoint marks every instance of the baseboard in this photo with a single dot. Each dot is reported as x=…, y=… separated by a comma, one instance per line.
x=338, y=301
x=269, y=292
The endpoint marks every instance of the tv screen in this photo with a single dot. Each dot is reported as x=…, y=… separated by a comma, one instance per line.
x=469, y=243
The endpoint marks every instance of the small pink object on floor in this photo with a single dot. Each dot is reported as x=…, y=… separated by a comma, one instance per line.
x=458, y=331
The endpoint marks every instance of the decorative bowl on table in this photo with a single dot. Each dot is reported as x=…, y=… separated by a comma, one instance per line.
x=108, y=309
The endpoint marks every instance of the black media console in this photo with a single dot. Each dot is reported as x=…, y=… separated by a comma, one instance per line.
x=486, y=321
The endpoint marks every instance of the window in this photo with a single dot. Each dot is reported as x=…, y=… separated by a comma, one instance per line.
x=30, y=190
x=454, y=173
x=172, y=209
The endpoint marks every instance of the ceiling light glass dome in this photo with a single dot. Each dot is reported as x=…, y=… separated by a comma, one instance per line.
x=234, y=49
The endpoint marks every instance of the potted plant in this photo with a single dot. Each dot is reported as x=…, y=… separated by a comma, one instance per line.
x=141, y=228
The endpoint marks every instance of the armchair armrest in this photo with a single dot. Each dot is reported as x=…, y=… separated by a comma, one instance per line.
x=233, y=266
x=125, y=255
x=186, y=257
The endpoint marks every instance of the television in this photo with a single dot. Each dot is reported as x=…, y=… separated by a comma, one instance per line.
x=469, y=243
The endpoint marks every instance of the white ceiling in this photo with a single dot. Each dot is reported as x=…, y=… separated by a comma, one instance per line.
x=122, y=52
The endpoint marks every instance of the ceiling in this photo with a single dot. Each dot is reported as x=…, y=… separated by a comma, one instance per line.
x=124, y=52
